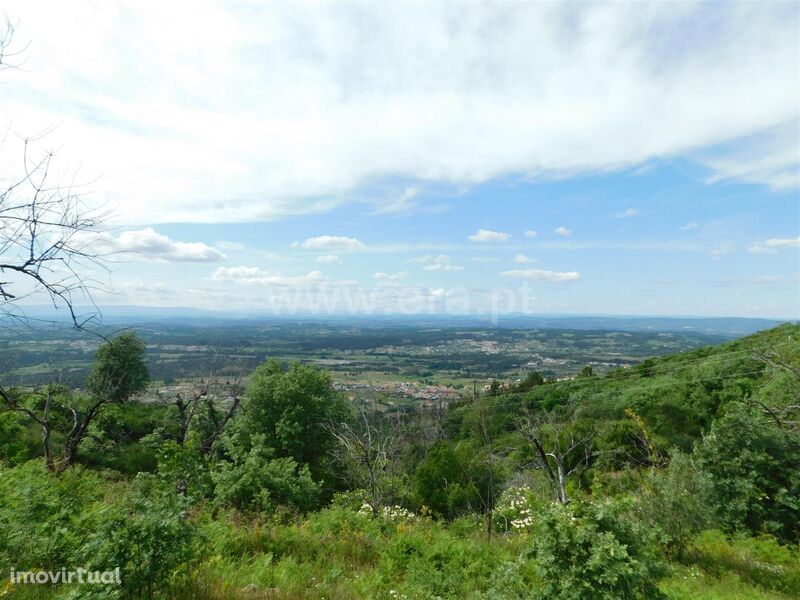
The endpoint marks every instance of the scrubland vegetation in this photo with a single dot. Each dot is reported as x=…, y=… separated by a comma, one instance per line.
x=675, y=478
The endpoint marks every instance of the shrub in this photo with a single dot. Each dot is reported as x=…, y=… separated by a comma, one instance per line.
x=761, y=560
x=516, y=509
x=585, y=551
x=13, y=450
x=42, y=515
x=260, y=482
x=752, y=467
x=443, y=483
x=677, y=501
x=147, y=535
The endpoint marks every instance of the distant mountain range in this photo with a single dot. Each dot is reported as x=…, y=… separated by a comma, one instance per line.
x=128, y=314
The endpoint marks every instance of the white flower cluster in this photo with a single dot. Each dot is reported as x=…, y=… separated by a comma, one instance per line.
x=515, y=507
x=396, y=513
x=391, y=513
x=524, y=521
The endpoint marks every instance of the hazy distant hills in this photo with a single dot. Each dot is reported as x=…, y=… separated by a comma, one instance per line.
x=119, y=314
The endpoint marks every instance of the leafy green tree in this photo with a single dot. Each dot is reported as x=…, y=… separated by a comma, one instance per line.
x=532, y=380
x=752, y=465
x=120, y=370
x=119, y=373
x=288, y=410
x=621, y=445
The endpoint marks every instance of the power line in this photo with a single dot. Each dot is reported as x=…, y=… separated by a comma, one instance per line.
x=630, y=374
x=646, y=387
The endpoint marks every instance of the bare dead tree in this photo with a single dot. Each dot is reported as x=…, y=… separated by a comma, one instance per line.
x=56, y=410
x=202, y=399
x=8, y=55
x=643, y=451
x=46, y=241
x=79, y=431
x=44, y=419
x=561, y=448
x=220, y=418
x=368, y=449
x=187, y=404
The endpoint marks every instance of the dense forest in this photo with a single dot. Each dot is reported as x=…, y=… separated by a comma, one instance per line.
x=674, y=478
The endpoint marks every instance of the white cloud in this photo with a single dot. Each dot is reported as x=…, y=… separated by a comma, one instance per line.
x=690, y=225
x=231, y=246
x=776, y=278
x=521, y=259
x=486, y=235
x=148, y=244
x=530, y=233
x=329, y=259
x=391, y=277
x=405, y=203
x=563, y=89
x=441, y=262
x=773, y=245
x=626, y=214
x=332, y=242
x=142, y=291
x=256, y=276
x=562, y=231
x=402, y=204
x=485, y=260
x=540, y=275
x=447, y=268
x=759, y=280
x=770, y=157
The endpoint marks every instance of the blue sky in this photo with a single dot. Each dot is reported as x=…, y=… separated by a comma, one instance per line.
x=390, y=157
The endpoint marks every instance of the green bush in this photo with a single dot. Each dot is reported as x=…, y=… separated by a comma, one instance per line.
x=13, y=450
x=677, y=501
x=147, y=534
x=44, y=518
x=428, y=562
x=261, y=482
x=449, y=482
x=584, y=551
x=762, y=560
x=753, y=470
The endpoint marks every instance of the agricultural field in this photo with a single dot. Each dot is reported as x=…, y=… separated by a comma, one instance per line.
x=396, y=364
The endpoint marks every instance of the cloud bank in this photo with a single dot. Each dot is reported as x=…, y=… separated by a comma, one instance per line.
x=216, y=112
x=541, y=275
x=148, y=244
x=773, y=245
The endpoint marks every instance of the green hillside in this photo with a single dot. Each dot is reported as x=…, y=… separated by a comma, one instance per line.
x=676, y=478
